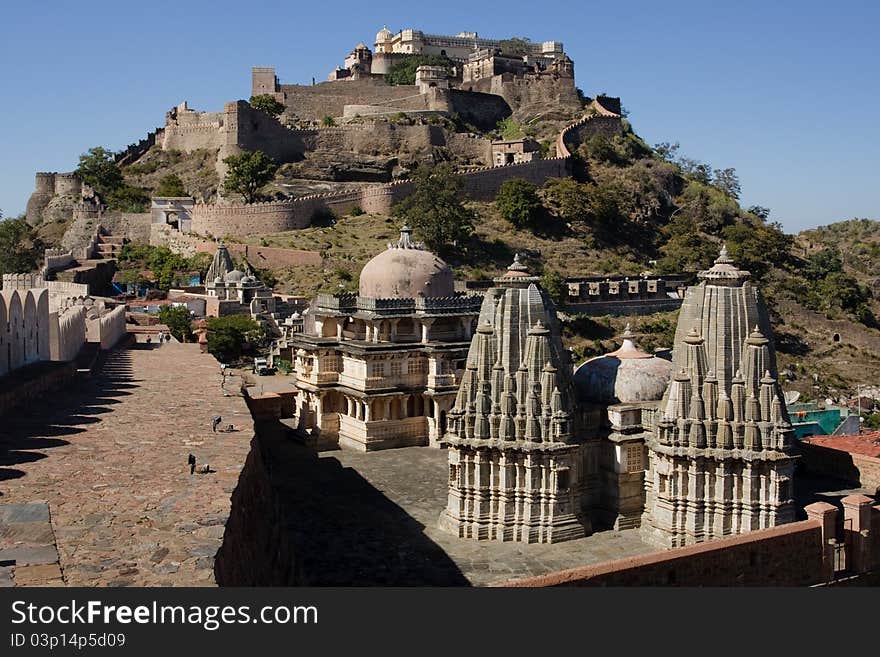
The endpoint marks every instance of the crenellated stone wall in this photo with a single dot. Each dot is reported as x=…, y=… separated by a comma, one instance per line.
x=22, y=282
x=24, y=328
x=67, y=333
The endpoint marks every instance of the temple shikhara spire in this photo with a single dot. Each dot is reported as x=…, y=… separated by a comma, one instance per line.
x=720, y=458
x=515, y=452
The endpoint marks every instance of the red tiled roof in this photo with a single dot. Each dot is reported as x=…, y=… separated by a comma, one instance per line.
x=865, y=443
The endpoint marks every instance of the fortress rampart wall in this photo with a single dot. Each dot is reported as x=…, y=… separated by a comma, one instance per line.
x=67, y=333
x=240, y=220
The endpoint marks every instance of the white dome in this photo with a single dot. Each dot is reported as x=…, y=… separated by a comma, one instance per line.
x=384, y=35
x=406, y=271
x=234, y=276
x=624, y=376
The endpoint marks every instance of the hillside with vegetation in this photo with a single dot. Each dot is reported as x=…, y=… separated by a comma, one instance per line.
x=629, y=208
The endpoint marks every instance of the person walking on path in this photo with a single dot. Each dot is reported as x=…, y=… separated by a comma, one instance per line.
x=216, y=423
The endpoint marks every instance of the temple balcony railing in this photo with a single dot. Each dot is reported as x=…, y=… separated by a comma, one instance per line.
x=380, y=382
x=459, y=303
x=339, y=302
x=441, y=380
x=318, y=378
x=381, y=429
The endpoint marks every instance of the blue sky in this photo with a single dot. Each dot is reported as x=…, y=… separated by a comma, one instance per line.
x=785, y=92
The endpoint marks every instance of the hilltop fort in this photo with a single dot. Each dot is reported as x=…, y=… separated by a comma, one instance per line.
x=366, y=125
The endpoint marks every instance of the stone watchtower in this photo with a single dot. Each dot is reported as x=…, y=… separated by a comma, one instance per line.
x=515, y=451
x=720, y=459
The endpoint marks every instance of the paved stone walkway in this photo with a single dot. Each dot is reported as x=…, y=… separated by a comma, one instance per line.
x=108, y=456
x=371, y=520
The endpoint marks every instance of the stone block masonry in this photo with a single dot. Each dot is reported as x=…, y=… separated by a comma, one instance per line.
x=132, y=514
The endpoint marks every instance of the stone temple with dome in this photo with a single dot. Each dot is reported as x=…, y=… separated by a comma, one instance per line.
x=689, y=450
x=380, y=369
x=231, y=291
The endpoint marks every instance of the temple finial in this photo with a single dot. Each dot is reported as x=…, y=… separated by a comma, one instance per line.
x=517, y=265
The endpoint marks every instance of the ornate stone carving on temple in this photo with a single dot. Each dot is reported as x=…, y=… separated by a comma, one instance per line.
x=380, y=369
x=720, y=459
x=520, y=469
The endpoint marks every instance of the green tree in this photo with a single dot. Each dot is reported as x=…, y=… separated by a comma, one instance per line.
x=230, y=336
x=555, y=286
x=128, y=198
x=822, y=263
x=686, y=249
x=404, y=71
x=518, y=203
x=178, y=320
x=98, y=169
x=758, y=249
x=248, y=173
x=509, y=129
x=759, y=211
x=727, y=181
x=696, y=170
x=667, y=150
x=267, y=103
x=435, y=209
x=568, y=199
x=328, y=121
x=516, y=46
x=20, y=249
x=171, y=185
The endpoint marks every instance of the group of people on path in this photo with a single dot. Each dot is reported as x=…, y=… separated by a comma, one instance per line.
x=160, y=337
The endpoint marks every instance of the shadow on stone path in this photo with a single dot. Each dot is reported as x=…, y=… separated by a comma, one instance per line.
x=31, y=430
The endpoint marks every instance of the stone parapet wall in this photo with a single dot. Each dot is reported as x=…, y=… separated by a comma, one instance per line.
x=55, y=259
x=66, y=289
x=138, y=149
x=256, y=550
x=108, y=329
x=314, y=102
x=22, y=281
x=67, y=333
x=24, y=328
x=483, y=184
x=134, y=226
x=789, y=555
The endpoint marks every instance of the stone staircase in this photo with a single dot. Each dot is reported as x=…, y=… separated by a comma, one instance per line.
x=109, y=246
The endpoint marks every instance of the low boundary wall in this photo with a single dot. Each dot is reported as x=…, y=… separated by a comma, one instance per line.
x=818, y=551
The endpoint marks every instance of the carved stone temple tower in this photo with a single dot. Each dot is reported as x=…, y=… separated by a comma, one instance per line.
x=516, y=457
x=720, y=459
